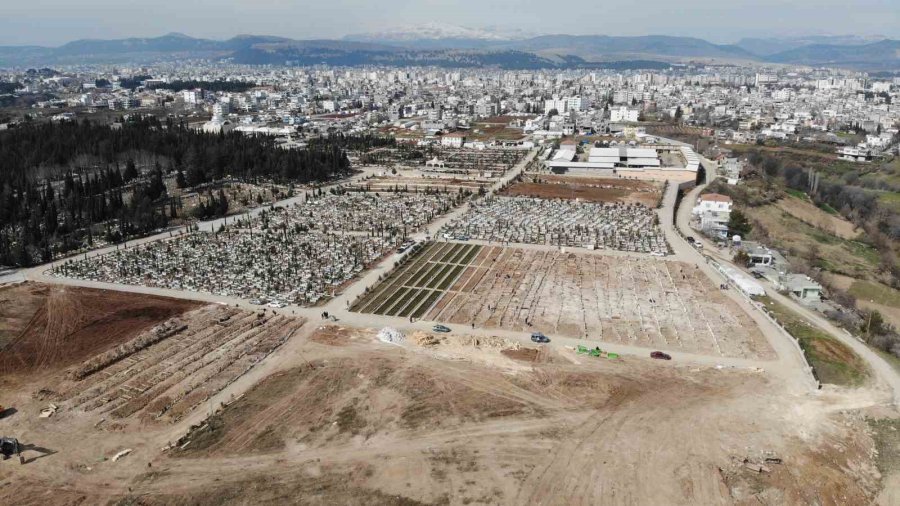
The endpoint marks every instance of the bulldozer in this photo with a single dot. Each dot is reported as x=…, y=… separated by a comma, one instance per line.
x=9, y=446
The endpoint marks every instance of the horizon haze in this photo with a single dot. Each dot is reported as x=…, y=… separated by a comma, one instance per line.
x=62, y=22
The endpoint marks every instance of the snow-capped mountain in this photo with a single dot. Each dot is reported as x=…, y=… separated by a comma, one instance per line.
x=439, y=31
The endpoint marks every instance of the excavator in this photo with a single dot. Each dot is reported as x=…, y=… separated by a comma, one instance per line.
x=9, y=446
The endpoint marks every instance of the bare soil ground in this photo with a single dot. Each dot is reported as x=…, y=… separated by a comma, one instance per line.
x=587, y=189
x=451, y=420
x=635, y=301
x=432, y=182
x=887, y=307
x=448, y=419
x=807, y=212
x=47, y=327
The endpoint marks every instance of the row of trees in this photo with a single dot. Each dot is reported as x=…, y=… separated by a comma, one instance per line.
x=62, y=183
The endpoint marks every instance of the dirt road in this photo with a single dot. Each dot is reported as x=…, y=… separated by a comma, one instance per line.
x=886, y=376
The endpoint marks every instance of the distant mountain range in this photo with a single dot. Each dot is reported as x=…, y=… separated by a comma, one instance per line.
x=450, y=46
x=770, y=46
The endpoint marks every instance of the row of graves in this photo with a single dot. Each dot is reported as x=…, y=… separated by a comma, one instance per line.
x=487, y=163
x=350, y=209
x=615, y=226
x=299, y=254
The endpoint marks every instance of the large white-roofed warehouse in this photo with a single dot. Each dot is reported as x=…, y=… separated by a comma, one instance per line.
x=656, y=162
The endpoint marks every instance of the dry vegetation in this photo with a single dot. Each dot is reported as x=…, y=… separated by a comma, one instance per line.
x=589, y=189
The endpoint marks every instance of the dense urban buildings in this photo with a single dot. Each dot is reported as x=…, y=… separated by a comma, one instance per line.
x=449, y=276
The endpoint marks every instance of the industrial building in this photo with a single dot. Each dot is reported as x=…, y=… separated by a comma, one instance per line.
x=665, y=161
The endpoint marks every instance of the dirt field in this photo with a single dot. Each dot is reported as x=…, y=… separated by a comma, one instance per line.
x=622, y=299
x=452, y=420
x=420, y=184
x=588, y=189
x=811, y=215
x=641, y=302
x=45, y=327
x=123, y=362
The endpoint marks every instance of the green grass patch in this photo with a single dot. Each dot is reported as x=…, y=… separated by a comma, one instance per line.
x=471, y=254
x=828, y=209
x=433, y=282
x=875, y=292
x=451, y=253
x=863, y=251
x=832, y=361
x=796, y=193
x=390, y=301
x=402, y=303
x=462, y=253
x=823, y=237
x=415, y=278
x=890, y=200
x=451, y=277
x=428, y=276
x=426, y=305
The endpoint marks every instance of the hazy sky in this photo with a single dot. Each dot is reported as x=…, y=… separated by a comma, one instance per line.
x=54, y=22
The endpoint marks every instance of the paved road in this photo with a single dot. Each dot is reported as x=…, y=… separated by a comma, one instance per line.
x=885, y=374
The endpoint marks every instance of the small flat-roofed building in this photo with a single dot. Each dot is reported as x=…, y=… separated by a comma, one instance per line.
x=761, y=255
x=801, y=287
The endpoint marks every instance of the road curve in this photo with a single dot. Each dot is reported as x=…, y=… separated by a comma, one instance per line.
x=885, y=374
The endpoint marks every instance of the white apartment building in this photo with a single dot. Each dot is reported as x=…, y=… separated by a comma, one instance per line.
x=714, y=211
x=622, y=114
x=555, y=103
x=192, y=97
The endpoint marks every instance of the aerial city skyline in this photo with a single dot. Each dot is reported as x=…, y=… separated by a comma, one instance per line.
x=339, y=253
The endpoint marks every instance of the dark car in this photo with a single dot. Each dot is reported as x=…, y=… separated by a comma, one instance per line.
x=660, y=355
x=440, y=328
x=756, y=274
x=690, y=239
x=539, y=338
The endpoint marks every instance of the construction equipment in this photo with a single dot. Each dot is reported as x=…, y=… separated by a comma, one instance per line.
x=595, y=352
x=9, y=446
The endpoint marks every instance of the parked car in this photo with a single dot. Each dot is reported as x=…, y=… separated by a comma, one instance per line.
x=440, y=328
x=660, y=355
x=539, y=337
x=756, y=274
x=277, y=304
x=691, y=239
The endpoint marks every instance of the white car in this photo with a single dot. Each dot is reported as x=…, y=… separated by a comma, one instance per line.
x=277, y=304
